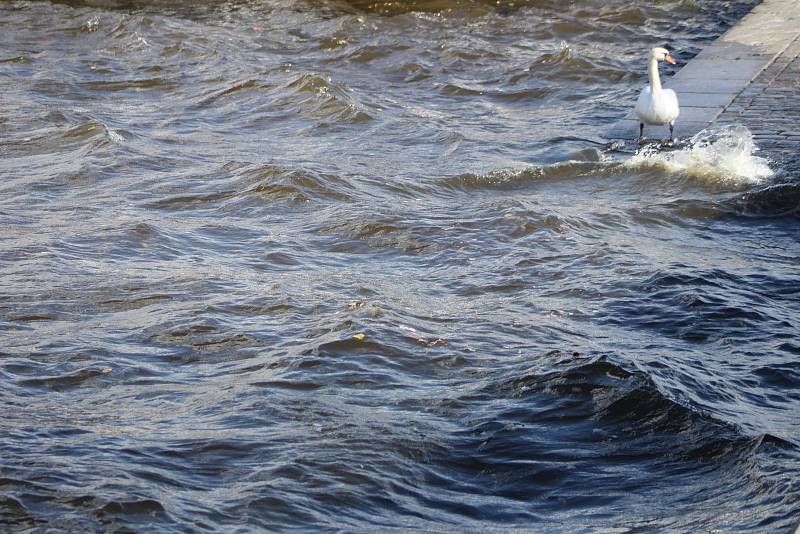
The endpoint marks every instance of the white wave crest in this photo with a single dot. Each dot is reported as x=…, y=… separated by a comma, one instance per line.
x=724, y=154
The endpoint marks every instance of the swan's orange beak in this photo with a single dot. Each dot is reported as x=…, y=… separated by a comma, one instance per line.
x=669, y=59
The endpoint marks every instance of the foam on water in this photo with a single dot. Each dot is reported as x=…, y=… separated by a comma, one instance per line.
x=725, y=154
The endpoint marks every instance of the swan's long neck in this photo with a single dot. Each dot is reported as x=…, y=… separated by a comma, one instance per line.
x=655, y=80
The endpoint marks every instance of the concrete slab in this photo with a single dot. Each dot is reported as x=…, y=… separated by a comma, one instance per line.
x=705, y=100
x=723, y=68
x=731, y=50
x=693, y=114
x=687, y=128
x=763, y=38
x=682, y=84
x=777, y=7
x=794, y=48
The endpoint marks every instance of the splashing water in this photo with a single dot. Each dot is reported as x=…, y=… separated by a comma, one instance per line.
x=725, y=154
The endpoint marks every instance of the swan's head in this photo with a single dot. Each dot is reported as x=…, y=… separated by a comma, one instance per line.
x=662, y=54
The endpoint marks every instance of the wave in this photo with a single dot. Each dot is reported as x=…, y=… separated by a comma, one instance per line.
x=720, y=158
x=569, y=65
x=620, y=401
x=552, y=430
x=724, y=156
x=505, y=179
x=399, y=7
x=365, y=233
x=239, y=183
x=693, y=306
x=619, y=410
x=771, y=201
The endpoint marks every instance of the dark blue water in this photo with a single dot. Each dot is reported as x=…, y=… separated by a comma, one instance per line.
x=369, y=266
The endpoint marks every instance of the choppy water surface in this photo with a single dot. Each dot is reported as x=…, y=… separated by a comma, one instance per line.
x=204, y=206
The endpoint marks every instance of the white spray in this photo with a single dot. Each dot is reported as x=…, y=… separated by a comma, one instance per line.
x=725, y=154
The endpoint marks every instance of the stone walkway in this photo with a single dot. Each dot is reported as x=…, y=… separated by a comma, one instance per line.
x=750, y=75
x=770, y=105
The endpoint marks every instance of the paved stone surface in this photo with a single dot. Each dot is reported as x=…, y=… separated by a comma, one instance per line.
x=747, y=73
x=770, y=106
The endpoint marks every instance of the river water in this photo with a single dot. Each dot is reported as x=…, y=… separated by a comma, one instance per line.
x=366, y=266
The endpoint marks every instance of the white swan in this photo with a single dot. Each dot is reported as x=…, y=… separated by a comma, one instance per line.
x=657, y=105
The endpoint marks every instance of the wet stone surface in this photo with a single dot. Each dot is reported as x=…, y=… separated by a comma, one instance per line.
x=769, y=107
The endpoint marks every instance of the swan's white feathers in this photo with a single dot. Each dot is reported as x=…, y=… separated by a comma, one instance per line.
x=661, y=109
x=656, y=105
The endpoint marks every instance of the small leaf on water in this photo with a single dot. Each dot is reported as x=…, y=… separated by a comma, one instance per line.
x=360, y=336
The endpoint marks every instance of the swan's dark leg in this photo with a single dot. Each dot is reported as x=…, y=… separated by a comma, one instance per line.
x=671, y=126
x=641, y=131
